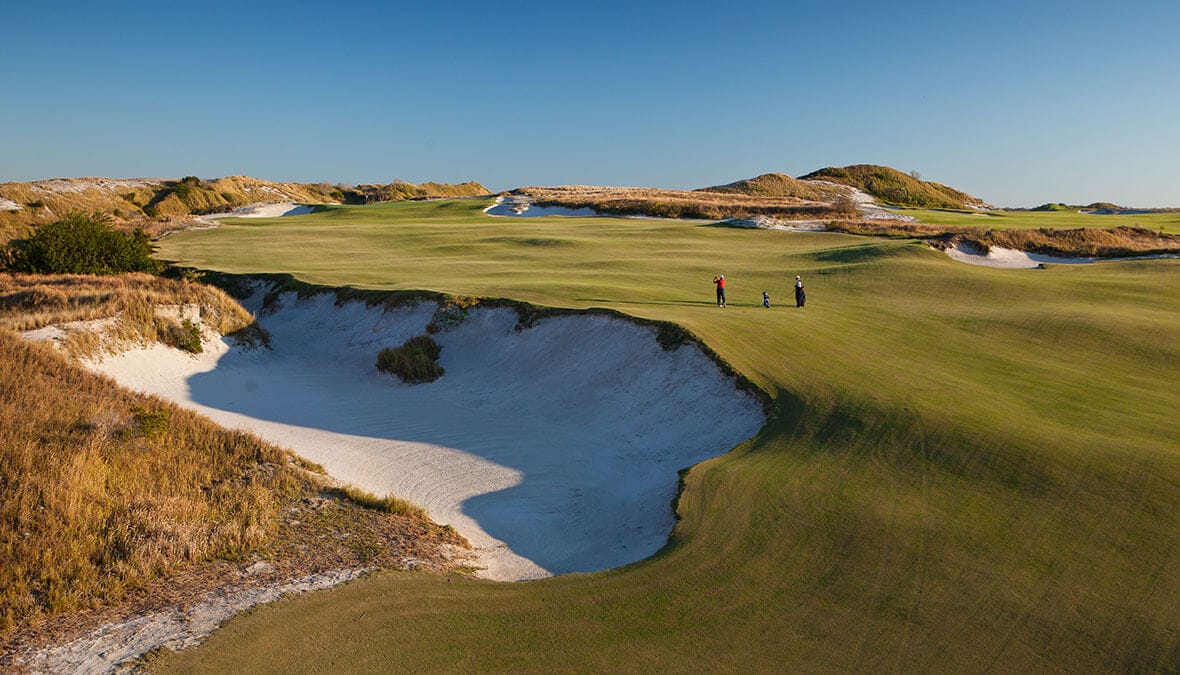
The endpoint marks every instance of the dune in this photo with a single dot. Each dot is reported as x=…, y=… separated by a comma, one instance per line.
x=553, y=448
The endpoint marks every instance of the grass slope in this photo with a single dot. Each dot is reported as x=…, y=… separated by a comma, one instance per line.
x=969, y=468
x=894, y=187
x=775, y=185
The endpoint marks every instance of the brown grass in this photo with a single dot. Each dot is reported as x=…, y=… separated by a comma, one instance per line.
x=104, y=493
x=780, y=185
x=103, y=489
x=1081, y=241
x=677, y=203
x=130, y=302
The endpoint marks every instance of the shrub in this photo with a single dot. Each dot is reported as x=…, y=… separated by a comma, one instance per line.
x=151, y=423
x=414, y=362
x=83, y=244
x=186, y=337
x=671, y=337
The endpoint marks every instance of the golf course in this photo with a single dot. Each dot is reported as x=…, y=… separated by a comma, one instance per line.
x=964, y=468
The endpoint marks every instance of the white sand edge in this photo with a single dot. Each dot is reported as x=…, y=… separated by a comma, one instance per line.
x=106, y=648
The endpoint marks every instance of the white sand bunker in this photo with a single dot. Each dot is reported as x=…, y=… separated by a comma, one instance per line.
x=267, y=211
x=762, y=222
x=523, y=207
x=553, y=449
x=1009, y=258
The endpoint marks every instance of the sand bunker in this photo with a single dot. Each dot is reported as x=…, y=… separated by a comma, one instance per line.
x=1008, y=258
x=553, y=448
x=523, y=207
x=762, y=222
x=267, y=211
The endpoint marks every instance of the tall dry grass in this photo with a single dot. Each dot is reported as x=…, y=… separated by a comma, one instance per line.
x=130, y=304
x=677, y=203
x=1097, y=242
x=102, y=490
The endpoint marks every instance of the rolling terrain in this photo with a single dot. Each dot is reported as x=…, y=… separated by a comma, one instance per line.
x=152, y=202
x=967, y=468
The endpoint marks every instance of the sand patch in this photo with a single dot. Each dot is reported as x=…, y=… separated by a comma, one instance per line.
x=1008, y=258
x=553, y=448
x=519, y=206
x=267, y=211
x=762, y=222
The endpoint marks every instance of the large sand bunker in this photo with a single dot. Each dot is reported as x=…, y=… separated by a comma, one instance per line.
x=1008, y=258
x=552, y=448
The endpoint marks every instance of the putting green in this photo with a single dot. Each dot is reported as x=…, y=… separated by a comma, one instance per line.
x=969, y=468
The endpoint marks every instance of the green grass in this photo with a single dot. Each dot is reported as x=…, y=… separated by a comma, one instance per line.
x=968, y=468
x=1169, y=222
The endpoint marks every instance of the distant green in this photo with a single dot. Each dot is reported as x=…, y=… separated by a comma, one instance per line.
x=969, y=469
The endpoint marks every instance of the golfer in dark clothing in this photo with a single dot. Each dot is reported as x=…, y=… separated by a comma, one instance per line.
x=800, y=294
x=719, y=280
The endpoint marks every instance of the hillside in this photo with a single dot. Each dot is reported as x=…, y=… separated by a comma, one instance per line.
x=109, y=495
x=894, y=187
x=145, y=201
x=779, y=185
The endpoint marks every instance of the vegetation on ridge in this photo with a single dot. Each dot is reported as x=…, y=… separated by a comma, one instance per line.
x=155, y=204
x=778, y=185
x=894, y=187
x=707, y=205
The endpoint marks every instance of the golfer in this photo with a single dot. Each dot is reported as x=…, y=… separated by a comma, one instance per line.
x=719, y=281
x=800, y=294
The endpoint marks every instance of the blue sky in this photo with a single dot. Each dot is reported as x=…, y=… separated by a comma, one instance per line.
x=1017, y=102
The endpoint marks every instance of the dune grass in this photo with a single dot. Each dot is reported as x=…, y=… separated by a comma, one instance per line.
x=414, y=362
x=104, y=490
x=128, y=304
x=737, y=200
x=894, y=187
x=106, y=496
x=968, y=468
x=1167, y=222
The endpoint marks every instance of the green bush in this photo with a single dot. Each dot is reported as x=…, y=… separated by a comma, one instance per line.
x=671, y=337
x=186, y=337
x=414, y=362
x=149, y=423
x=83, y=244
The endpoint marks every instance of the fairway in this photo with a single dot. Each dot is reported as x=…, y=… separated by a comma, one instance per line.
x=967, y=468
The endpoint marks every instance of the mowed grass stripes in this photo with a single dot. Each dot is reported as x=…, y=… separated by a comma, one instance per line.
x=968, y=468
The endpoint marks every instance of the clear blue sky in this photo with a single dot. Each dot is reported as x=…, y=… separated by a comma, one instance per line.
x=1017, y=102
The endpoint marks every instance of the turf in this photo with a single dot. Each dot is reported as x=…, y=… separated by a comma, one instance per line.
x=1165, y=221
x=968, y=468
